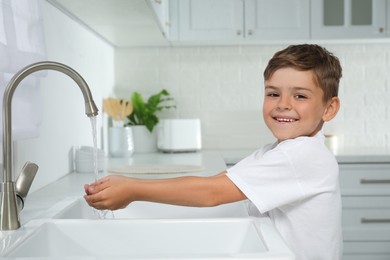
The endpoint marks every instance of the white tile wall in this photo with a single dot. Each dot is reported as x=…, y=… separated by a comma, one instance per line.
x=223, y=86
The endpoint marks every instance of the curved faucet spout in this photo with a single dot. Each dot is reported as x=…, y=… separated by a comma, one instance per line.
x=8, y=185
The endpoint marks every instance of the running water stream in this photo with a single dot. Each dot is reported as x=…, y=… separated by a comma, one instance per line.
x=102, y=214
x=95, y=151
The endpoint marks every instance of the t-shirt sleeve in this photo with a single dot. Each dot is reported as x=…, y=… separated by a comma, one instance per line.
x=269, y=180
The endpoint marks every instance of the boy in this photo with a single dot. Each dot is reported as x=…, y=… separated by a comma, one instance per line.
x=294, y=181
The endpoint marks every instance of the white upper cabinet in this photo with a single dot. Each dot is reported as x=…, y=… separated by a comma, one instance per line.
x=348, y=19
x=210, y=20
x=277, y=19
x=242, y=20
x=256, y=21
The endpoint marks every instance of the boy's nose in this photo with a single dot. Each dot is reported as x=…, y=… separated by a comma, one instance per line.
x=284, y=104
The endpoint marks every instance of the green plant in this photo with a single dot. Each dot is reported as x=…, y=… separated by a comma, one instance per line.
x=144, y=113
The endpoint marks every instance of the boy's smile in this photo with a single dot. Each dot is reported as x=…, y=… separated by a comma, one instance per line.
x=293, y=104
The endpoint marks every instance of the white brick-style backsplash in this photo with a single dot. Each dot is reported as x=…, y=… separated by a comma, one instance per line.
x=223, y=86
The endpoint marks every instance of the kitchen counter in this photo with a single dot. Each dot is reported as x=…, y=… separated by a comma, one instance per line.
x=346, y=155
x=363, y=155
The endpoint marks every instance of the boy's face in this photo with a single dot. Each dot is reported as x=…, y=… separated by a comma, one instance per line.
x=293, y=104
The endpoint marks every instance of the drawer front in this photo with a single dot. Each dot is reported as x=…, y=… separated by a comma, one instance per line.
x=362, y=217
x=366, y=218
x=365, y=179
x=366, y=211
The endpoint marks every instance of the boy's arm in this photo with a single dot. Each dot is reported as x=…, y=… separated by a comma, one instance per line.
x=114, y=192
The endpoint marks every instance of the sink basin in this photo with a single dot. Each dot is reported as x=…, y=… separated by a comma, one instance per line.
x=77, y=208
x=163, y=239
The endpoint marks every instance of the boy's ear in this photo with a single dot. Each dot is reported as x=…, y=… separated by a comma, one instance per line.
x=331, y=110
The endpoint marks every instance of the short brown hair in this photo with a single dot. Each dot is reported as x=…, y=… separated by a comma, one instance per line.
x=325, y=66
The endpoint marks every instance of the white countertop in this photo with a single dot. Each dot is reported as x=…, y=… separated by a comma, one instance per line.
x=345, y=155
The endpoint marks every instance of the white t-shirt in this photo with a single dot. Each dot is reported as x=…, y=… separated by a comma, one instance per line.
x=296, y=183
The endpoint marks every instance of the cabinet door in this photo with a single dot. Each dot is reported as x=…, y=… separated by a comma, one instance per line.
x=210, y=20
x=277, y=19
x=348, y=19
x=365, y=179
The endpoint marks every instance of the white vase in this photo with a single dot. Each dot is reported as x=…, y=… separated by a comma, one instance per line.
x=120, y=141
x=144, y=141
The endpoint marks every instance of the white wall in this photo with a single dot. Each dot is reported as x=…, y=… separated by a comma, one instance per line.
x=224, y=87
x=64, y=123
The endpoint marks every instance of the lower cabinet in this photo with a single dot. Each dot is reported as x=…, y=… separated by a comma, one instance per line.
x=365, y=192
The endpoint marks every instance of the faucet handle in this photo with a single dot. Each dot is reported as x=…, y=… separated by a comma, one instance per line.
x=24, y=181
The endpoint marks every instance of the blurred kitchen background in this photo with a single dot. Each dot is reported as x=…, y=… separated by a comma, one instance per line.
x=122, y=46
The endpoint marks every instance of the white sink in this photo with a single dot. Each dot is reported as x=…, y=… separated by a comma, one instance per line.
x=163, y=239
x=77, y=208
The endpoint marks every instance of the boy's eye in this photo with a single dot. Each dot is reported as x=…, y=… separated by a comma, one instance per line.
x=272, y=94
x=299, y=96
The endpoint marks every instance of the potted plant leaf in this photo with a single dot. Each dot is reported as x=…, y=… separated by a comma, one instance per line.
x=144, y=118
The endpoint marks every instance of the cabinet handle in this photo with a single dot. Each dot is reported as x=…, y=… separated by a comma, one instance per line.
x=375, y=220
x=374, y=181
x=250, y=32
x=157, y=1
x=238, y=32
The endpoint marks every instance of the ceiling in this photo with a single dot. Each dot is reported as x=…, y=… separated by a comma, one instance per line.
x=121, y=23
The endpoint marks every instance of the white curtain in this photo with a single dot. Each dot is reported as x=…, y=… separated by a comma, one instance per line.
x=21, y=43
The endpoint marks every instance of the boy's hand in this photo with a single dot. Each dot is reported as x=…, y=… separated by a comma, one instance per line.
x=111, y=192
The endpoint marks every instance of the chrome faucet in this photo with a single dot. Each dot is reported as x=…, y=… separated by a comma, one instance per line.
x=14, y=192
